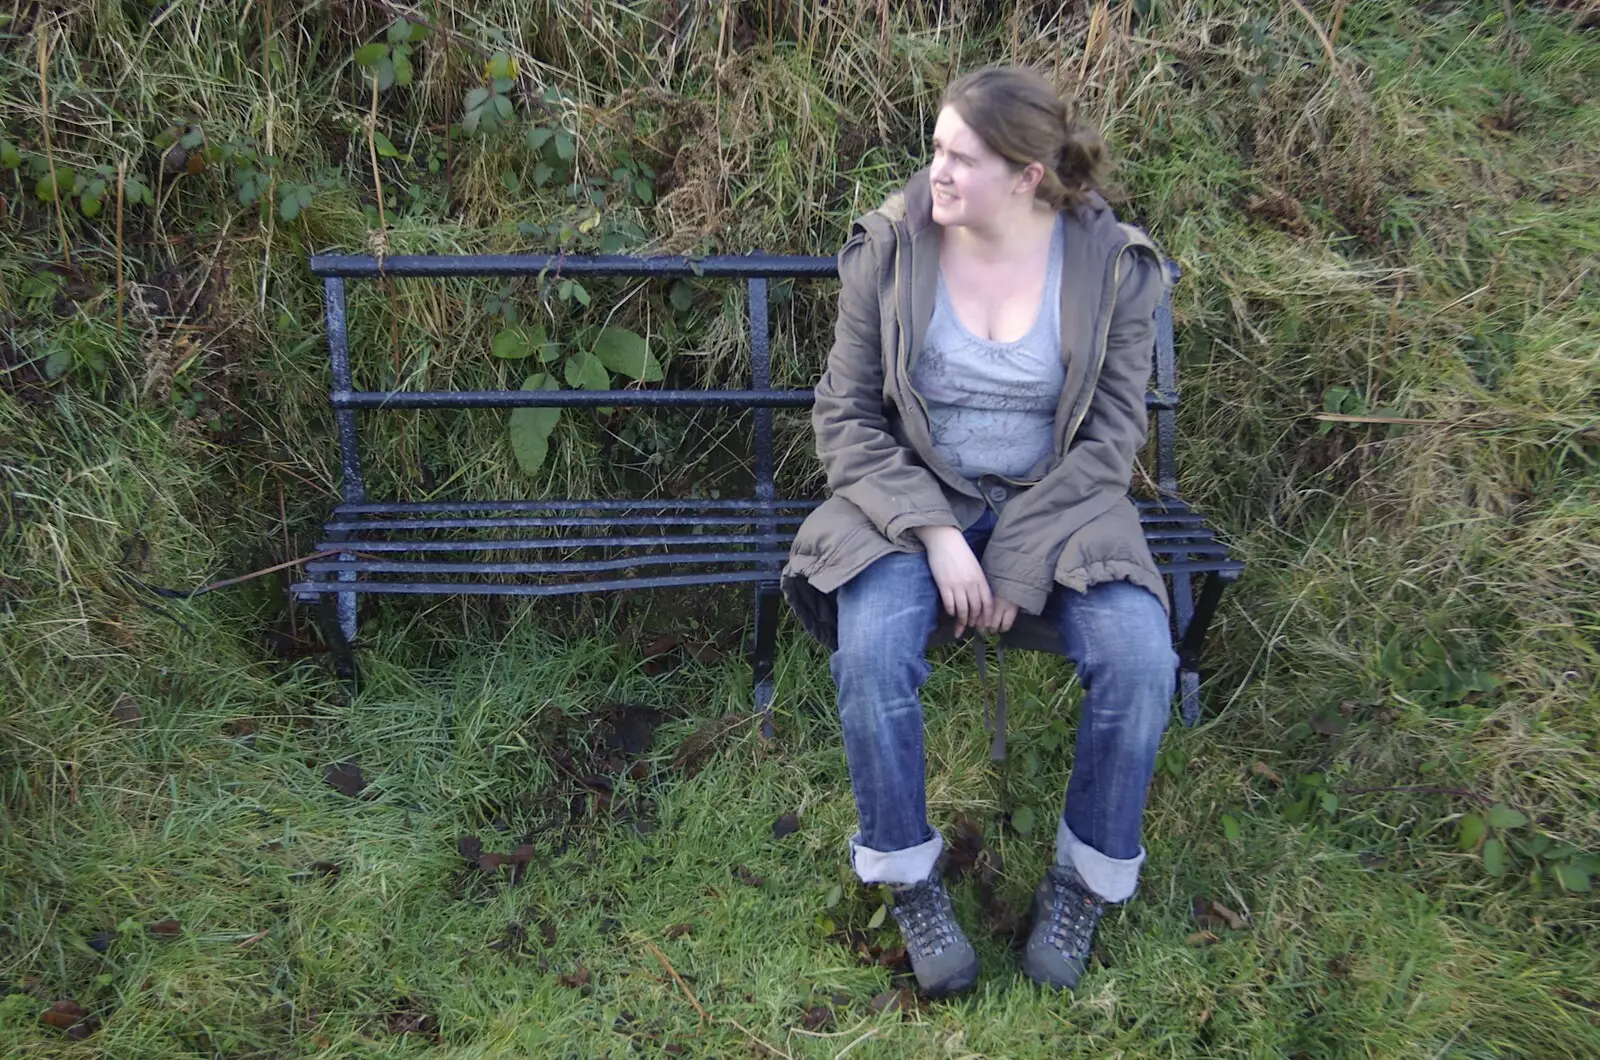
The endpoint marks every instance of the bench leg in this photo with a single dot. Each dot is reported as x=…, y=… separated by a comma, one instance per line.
x=331, y=618
x=1193, y=644
x=763, y=654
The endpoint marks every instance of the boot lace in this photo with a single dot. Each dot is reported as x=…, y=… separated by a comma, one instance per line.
x=926, y=919
x=1074, y=911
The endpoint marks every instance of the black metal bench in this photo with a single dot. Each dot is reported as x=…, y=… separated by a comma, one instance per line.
x=390, y=547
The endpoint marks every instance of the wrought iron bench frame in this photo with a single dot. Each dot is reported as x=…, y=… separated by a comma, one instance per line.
x=725, y=541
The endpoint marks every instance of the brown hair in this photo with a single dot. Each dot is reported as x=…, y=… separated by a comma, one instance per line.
x=1022, y=119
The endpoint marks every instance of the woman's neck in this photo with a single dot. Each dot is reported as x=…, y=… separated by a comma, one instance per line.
x=1019, y=234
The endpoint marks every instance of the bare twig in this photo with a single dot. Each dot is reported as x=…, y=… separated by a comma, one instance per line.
x=662, y=957
x=49, y=153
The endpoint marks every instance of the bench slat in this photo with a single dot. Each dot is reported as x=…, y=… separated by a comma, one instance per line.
x=328, y=566
x=522, y=544
x=665, y=581
x=360, y=525
x=707, y=504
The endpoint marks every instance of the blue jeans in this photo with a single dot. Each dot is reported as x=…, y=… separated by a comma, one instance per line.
x=1117, y=636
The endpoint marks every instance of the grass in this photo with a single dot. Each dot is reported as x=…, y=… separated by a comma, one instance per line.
x=1415, y=226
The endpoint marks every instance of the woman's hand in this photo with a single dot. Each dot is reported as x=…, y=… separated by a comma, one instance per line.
x=998, y=617
x=956, y=571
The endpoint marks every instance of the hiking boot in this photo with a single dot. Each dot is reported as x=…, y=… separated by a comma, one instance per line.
x=1065, y=913
x=943, y=959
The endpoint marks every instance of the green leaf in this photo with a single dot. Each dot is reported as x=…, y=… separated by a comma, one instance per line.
x=831, y=899
x=516, y=343
x=1494, y=858
x=1390, y=664
x=530, y=429
x=385, y=74
x=877, y=918
x=10, y=157
x=89, y=205
x=681, y=295
x=477, y=98
x=137, y=191
x=403, y=71
x=1534, y=846
x=585, y=372
x=500, y=65
x=45, y=189
x=1572, y=879
x=500, y=85
x=1022, y=821
x=1230, y=828
x=580, y=292
x=625, y=353
x=644, y=190
x=566, y=146
x=542, y=174
x=369, y=55
x=1330, y=802
x=192, y=139
x=57, y=363
x=1032, y=762
x=537, y=137
x=510, y=181
x=400, y=32
x=289, y=207
x=1469, y=831
x=1503, y=816
x=384, y=145
x=1334, y=397
x=502, y=107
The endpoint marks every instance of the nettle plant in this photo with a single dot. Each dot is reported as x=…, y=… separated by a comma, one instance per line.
x=1504, y=839
x=586, y=361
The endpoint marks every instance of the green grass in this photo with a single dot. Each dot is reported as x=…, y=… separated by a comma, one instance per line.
x=1417, y=226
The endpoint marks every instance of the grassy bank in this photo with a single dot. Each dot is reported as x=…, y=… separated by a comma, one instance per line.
x=1382, y=210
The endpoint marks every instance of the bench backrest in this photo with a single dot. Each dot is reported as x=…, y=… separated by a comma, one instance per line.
x=755, y=269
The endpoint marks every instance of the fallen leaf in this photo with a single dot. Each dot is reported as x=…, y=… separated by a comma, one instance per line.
x=326, y=868
x=893, y=956
x=470, y=847
x=1261, y=769
x=659, y=645
x=707, y=654
x=64, y=1014
x=346, y=777
x=817, y=1017
x=126, y=711
x=749, y=878
x=166, y=929
x=900, y=1000
x=1201, y=938
x=101, y=941
x=1235, y=921
x=1213, y=914
x=677, y=931
x=1329, y=725
x=640, y=771
x=577, y=980
x=788, y=824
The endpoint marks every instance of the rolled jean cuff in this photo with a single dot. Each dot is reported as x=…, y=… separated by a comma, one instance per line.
x=1113, y=879
x=903, y=867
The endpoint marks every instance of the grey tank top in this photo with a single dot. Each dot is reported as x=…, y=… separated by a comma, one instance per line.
x=992, y=405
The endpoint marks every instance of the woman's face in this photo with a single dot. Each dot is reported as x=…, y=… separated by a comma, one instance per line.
x=972, y=185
